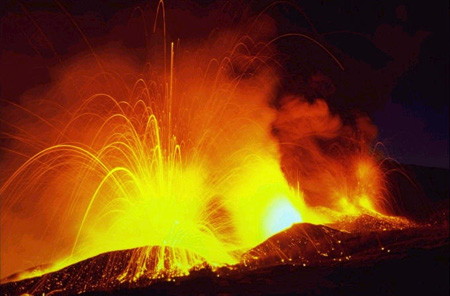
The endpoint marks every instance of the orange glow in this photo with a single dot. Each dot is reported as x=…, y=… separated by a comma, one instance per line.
x=181, y=158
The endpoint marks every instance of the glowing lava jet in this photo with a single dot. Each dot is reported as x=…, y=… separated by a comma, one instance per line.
x=176, y=160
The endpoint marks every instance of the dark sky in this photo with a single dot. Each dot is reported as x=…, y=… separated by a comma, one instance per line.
x=395, y=55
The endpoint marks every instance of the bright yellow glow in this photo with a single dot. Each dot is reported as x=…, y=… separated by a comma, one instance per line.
x=347, y=207
x=281, y=215
x=365, y=202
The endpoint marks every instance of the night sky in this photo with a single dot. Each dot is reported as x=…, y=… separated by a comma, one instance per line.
x=395, y=55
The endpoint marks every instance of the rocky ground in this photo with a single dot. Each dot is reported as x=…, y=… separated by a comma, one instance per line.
x=367, y=256
x=305, y=259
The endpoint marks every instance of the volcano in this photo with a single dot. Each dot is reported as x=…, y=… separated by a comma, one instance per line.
x=171, y=148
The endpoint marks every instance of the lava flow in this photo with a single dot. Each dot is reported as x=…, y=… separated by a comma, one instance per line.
x=184, y=160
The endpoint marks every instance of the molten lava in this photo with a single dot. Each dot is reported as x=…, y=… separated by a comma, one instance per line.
x=177, y=160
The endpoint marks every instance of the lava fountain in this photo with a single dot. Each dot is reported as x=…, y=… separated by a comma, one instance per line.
x=184, y=160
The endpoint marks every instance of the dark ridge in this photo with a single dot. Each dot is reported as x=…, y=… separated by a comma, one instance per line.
x=306, y=258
